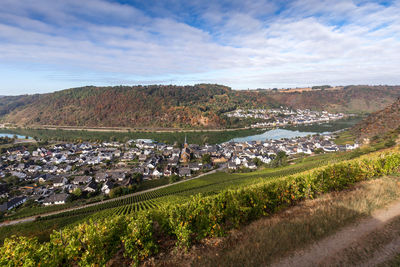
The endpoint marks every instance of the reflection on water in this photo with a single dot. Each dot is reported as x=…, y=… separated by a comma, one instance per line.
x=302, y=130
x=274, y=134
x=12, y=135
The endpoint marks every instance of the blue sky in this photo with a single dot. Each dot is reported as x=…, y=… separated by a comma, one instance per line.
x=49, y=45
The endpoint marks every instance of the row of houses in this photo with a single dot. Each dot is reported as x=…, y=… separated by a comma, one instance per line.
x=99, y=167
x=285, y=116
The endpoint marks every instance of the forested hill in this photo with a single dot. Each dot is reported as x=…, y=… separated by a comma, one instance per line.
x=379, y=123
x=159, y=106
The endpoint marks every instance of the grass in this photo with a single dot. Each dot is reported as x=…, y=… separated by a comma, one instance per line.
x=344, y=138
x=268, y=239
x=375, y=248
x=41, y=230
x=145, y=185
x=394, y=262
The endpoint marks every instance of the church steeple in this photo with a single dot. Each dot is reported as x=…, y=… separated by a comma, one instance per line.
x=185, y=154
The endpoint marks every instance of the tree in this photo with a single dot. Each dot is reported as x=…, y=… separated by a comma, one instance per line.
x=206, y=159
x=318, y=151
x=137, y=177
x=77, y=192
x=174, y=178
x=257, y=161
x=279, y=160
x=116, y=192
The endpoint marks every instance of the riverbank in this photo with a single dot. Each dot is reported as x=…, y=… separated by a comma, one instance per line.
x=171, y=136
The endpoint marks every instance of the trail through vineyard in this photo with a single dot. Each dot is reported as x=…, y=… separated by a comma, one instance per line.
x=364, y=240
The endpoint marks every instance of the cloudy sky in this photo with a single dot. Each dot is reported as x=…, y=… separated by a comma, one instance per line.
x=48, y=45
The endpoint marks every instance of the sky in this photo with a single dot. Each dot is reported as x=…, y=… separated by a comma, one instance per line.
x=49, y=45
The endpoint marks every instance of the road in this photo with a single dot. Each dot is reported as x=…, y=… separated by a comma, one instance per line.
x=125, y=129
x=32, y=218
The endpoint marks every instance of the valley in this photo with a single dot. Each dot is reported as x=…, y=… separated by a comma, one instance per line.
x=157, y=107
x=199, y=133
x=67, y=177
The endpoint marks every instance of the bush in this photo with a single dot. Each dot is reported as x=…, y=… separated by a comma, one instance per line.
x=89, y=243
x=174, y=178
x=20, y=251
x=138, y=240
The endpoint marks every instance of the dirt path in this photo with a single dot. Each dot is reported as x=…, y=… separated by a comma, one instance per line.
x=381, y=256
x=322, y=252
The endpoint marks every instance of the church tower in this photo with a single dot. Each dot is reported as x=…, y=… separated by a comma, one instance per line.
x=185, y=154
x=185, y=144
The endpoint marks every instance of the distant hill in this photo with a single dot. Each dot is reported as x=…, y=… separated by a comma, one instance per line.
x=380, y=122
x=161, y=106
x=351, y=99
x=200, y=106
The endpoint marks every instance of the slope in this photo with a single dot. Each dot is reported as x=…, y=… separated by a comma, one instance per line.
x=170, y=106
x=380, y=122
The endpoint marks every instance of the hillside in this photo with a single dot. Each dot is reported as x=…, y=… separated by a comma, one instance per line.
x=351, y=99
x=169, y=106
x=380, y=122
x=161, y=106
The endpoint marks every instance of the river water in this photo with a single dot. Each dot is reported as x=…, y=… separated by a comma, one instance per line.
x=12, y=135
x=301, y=130
x=274, y=134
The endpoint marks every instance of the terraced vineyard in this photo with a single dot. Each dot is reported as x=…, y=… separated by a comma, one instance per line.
x=175, y=193
x=207, y=185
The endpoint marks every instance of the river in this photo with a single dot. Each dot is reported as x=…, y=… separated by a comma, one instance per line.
x=301, y=130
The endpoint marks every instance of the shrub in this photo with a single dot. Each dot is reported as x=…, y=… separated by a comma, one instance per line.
x=20, y=251
x=138, y=240
x=89, y=243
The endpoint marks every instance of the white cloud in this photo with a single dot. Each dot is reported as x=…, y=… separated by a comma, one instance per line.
x=310, y=42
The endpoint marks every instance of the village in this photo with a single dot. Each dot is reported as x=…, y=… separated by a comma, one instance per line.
x=50, y=175
x=285, y=116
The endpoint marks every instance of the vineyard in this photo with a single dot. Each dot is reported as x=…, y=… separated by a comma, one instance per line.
x=207, y=185
x=175, y=193
x=95, y=241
